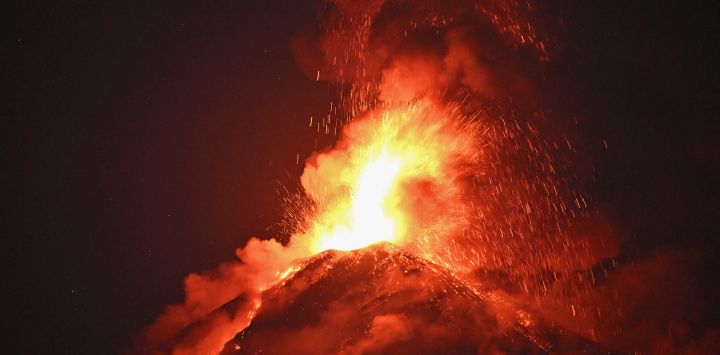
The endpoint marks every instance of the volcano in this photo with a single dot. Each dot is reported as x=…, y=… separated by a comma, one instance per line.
x=383, y=300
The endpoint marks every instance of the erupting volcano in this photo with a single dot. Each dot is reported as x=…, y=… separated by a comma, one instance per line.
x=382, y=300
x=438, y=221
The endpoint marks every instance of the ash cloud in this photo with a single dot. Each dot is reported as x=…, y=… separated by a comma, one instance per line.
x=396, y=50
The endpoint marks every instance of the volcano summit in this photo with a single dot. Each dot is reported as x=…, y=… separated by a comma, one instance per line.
x=382, y=300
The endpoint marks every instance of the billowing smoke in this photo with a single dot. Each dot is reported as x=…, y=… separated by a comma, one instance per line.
x=200, y=326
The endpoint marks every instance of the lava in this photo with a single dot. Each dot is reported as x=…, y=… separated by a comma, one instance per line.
x=369, y=222
x=372, y=185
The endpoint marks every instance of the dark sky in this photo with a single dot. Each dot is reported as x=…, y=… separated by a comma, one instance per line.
x=145, y=141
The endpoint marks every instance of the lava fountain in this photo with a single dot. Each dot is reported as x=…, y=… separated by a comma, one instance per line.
x=370, y=188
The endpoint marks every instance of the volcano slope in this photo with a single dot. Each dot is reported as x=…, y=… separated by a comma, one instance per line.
x=382, y=300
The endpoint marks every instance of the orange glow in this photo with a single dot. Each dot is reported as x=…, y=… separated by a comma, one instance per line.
x=364, y=185
x=368, y=220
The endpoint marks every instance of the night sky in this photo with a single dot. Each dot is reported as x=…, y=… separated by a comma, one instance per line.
x=147, y=140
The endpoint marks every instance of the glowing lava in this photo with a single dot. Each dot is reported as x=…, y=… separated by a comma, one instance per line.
x=368, y=220
x=381, y=182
